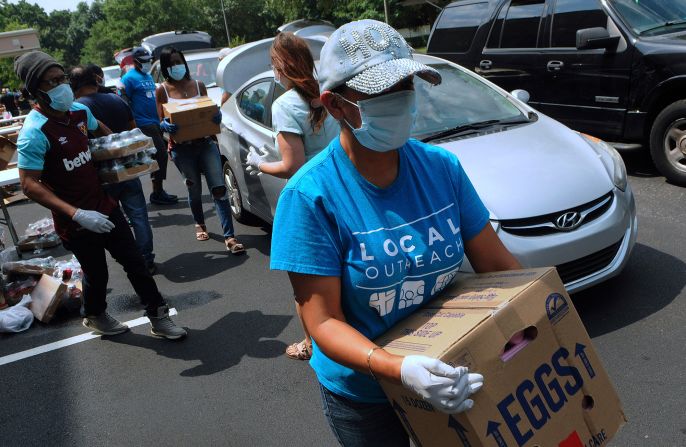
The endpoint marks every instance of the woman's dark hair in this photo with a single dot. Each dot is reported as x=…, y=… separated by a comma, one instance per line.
x=165, y=63
x=292, y=58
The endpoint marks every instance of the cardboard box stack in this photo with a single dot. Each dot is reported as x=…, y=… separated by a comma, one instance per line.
x=193, y=116
x=544, y=384
x=123, y=156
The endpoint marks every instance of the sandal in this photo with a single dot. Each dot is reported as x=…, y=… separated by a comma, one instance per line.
x=299, y=351
x=234, y=246
x=201, y=233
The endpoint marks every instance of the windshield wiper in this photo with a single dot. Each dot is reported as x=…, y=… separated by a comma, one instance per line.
x=664, y=25
x=475, y=127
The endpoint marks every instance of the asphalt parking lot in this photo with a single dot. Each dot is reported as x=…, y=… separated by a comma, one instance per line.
x=229, y=384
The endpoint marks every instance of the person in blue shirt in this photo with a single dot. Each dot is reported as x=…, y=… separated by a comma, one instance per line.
x=302, y=125
x=139, y=88
x=372, y=228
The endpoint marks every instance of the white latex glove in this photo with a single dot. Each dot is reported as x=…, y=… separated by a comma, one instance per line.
x=254, y=160
x=445, y=387
x=93, y=221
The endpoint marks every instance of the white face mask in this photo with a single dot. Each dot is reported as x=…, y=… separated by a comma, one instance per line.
x=146, y=67
x=387, y=120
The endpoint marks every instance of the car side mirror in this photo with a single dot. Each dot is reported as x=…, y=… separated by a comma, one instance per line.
x=596, y=38
x=521, y=95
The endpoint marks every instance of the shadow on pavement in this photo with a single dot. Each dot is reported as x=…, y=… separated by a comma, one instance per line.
x=649, y=283
x=160, y=220
x=639, y=164
x=222, y=345
x=195, y=266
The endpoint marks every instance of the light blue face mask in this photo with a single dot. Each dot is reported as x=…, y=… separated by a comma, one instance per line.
x=277, y=79
x=387, y=120
x=61, y=97
x=177, y=72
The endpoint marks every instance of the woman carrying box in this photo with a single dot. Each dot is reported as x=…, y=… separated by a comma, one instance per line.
x=195, y=157
x=381, y=223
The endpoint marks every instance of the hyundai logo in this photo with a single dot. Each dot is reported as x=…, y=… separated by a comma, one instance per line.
x=568, y=221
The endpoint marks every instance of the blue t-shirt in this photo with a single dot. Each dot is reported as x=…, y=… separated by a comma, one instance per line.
x=110, y=109
x=394, y=248
x=290, y=113
x=32, y=144
x=140, y=88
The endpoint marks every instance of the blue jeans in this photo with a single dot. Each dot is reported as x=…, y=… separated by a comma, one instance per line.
x=202, y=157
x=130, y=195
x=358, y=424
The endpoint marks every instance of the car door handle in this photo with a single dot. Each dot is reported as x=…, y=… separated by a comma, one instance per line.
x=554, y=66
x=485, y=65
x=267, y=148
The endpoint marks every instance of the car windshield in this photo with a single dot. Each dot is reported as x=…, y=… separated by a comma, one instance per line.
x=652, y=17
x=204, y=70
x=460, y=100
x=111, y=73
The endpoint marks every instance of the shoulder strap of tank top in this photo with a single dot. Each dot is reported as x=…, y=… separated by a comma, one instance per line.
x=197, y=86
x=166, y=92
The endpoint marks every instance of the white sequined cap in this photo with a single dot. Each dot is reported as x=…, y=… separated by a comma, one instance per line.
x=370, y=57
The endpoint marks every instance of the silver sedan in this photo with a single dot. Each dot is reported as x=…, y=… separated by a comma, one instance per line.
x=556, y=197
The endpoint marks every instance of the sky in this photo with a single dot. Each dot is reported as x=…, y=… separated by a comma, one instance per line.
x=50, y=5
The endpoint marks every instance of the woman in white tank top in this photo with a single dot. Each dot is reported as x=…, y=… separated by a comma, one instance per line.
x=195, y=157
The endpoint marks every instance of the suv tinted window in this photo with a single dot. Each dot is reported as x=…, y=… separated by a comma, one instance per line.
x=253, y=102
x=522, y=21
x=573, y=15
x=457, y=26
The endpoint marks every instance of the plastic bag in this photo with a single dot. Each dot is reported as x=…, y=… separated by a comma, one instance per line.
x=68, y=271
x=40, y=227
x=17, y=318
x=35, y=266
x=14, y=291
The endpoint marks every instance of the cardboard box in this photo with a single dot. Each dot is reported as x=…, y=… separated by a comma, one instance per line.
x=544, y=384
x=127, y=174
x=194, y=118
x=46, y=297
x=7, y=150
x=38, y=242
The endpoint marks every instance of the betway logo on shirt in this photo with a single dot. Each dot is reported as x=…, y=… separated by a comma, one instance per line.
x=83, y=158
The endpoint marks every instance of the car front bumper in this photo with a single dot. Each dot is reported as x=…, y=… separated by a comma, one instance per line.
x=591, y=254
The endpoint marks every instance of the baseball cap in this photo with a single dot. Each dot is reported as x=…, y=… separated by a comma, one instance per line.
x=140, y=54
x=369, y=56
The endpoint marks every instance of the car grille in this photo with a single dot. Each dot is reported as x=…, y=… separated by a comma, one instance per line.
x=582, y=267
x=546, y=224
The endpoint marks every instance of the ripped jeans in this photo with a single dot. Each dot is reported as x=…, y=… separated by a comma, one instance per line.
x=202, y=157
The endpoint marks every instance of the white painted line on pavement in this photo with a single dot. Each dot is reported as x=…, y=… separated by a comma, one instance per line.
x=68, y=342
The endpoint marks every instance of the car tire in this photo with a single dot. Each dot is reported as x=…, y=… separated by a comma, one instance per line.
x=236, y=199
x=668, y=142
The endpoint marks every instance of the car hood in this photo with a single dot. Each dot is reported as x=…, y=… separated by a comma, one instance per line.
x=532, y=170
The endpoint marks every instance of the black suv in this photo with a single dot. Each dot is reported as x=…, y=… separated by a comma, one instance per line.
x=615, y=69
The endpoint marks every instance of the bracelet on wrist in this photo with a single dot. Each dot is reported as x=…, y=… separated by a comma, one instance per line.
x=369, y=362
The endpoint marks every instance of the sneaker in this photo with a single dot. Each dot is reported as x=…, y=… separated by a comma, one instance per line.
x=151, y=267
x=163, y=326
x=104, y=324
x=166, y=195
x=160, y=199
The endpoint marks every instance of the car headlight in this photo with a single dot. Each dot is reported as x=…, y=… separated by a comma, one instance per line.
x=611, y=160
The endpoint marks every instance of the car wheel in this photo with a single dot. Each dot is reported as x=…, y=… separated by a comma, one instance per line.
x=668, y=142
x=237, y=210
